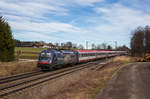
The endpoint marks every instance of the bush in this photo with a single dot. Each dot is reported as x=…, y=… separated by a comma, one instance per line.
x=6, y=42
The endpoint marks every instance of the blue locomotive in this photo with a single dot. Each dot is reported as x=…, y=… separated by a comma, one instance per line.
x=50, y=59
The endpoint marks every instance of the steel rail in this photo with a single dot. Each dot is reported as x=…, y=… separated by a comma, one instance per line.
x=19, y=76
x=5, y=90
x=49, y=74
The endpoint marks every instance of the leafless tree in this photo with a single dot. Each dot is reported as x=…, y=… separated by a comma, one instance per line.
x=147, y=39
x=98, y=46
x=109, y=47
x=104, y=46
x=80, y=47
x=137, y=42
x=93, y=46
x=123, y=48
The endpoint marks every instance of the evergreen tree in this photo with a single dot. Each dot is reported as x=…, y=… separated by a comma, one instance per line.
x=6, y=41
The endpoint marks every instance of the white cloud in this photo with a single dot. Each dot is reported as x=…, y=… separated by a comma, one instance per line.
x=87, y=2
x=47, y=31
x=32, y=36
x=123, y=16
x=31, y=9
x=37, y=8
x=47, y=27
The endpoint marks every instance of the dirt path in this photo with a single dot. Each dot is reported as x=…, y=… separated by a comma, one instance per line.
x=131, y=82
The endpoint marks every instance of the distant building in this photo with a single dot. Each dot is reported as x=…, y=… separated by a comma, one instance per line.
x=26, y=44
x=35, y=44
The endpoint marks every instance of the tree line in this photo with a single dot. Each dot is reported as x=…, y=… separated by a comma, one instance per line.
x=140, y=41
x=67, y=45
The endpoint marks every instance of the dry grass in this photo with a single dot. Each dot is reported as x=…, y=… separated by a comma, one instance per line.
x=12, y=68
x=88, y=83
x=87, y=86
x=80, y=85
x=123, y=59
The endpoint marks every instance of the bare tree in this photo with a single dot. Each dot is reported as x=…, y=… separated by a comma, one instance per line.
x=98, y=46
x=80, y=47
x=137, y=42
x=74, y=46
x=123, y=48
x=93, y=46
x=68, y=45
x=104, y=46
x=147, y=39
x=109, y=47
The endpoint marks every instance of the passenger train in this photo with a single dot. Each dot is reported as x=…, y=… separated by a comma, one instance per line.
x=50, y=59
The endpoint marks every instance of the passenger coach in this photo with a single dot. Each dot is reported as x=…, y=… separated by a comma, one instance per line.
x=87, y=55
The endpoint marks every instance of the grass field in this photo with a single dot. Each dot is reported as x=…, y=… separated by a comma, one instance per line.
x=29, y=49
x=28, y=52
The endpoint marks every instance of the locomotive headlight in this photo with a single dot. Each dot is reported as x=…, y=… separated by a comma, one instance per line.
x=50, y=61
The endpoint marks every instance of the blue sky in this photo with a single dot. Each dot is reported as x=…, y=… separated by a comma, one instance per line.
x=96, y=21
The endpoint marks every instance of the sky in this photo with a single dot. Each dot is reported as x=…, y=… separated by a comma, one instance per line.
x=78, y=21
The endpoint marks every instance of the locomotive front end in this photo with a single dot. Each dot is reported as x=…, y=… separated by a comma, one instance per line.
x=45, y=60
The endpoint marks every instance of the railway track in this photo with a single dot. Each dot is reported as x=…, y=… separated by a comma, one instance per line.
x=19, y=76
x=16, y=83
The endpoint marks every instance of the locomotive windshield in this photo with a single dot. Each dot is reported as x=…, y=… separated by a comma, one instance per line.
x=45, y=55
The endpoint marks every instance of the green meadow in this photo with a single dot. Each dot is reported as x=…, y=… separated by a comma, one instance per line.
x=27, y=52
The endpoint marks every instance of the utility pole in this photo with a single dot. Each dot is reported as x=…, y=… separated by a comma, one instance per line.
x=116, y=45
x=86, y=44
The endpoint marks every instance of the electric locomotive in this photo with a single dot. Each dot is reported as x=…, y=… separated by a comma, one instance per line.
x=50, y=59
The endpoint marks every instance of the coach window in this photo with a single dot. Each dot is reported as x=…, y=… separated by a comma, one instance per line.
x=82, y=55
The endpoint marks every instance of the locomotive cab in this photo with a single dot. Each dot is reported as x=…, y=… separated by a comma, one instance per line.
x=50, y=59
x=45, y=59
